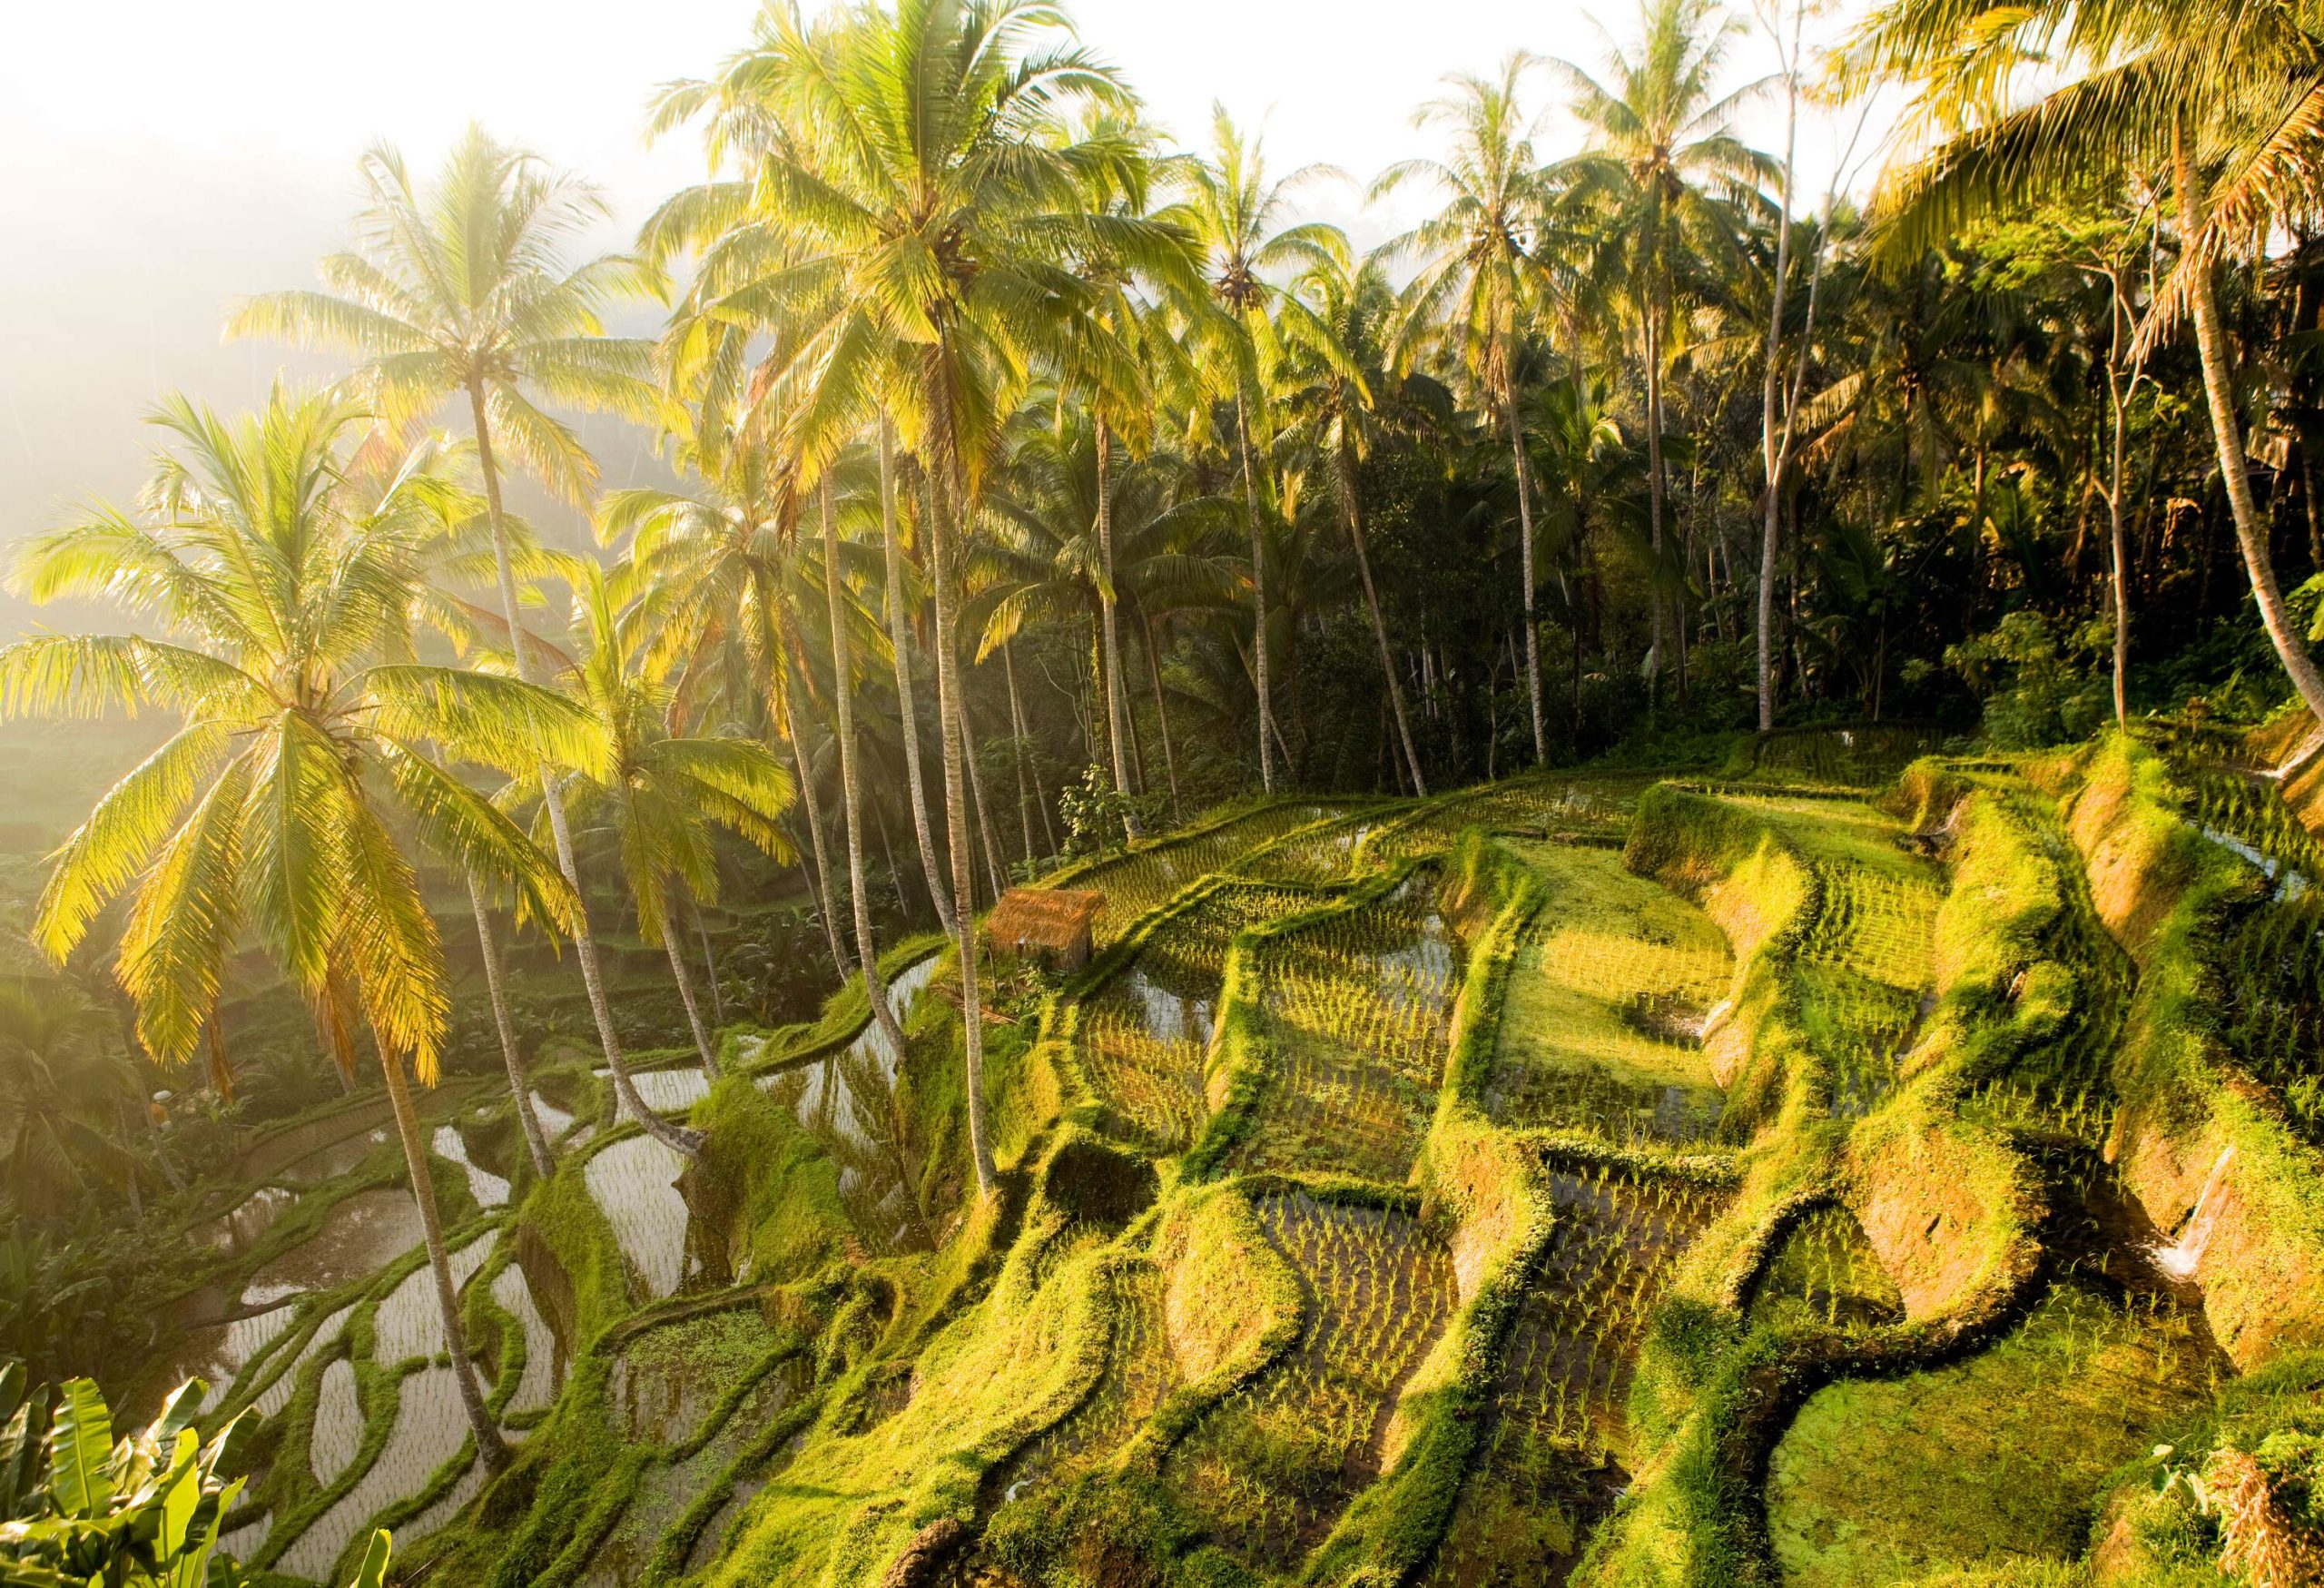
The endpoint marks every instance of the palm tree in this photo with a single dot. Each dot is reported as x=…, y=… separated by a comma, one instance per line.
x=658, y=792
x=915, y=196
x=60, y=1087
x=273, y=811
x=465, y=292
x=1661, y=140
x=2184, y=86
x=1236, y=215
x=1331, y=404
x=1482, y=277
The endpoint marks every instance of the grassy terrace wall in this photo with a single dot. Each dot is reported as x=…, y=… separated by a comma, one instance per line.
x=1951, y=1208
x=2192, y=1129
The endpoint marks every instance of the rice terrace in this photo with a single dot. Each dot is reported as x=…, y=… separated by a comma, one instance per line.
x=994, y=853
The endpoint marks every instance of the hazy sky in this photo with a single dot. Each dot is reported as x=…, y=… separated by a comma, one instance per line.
x=158, y=158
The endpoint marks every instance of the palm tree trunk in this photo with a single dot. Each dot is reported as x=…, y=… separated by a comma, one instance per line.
x=1258, y=597
x=709, y=963
x=1162, y=713
x=677, y=1137
x=684, y=979
x=488, y=1443
x=1026, y=766
x=1016, y=753
x=1525, y=571
x=1379, y=625
x=899, y=641
x=2218, y=385
x=2117, y=541
x=821, y=855
x=956, y=816
x=1116, y=707
x=995, y=868
x=519, y=1087
x=867, y=951
x=1655, y=491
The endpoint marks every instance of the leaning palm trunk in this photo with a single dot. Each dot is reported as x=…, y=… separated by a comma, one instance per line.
x=1525, y=572
x=1379, y=625
x=1116, y=707
x=488, y=1443
x=956, y=818
x=1258, y=598
x=684, y=979
x=2218, y=385
x=584, y=938
x=822, y=866
x=900, y=640
x=866, y=953
x=520, y=1086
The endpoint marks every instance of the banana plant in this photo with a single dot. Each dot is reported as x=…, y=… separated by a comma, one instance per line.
x=79, y=1507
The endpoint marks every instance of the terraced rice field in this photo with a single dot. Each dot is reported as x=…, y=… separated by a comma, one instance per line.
x=1269, y=1470
x=1144, y=1036
x=1356, y=1012
x=1552, y=1465
x=1607, y=1004
x=1135, y=884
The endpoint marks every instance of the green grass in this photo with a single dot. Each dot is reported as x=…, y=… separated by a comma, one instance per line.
x=1606, y=1004
x=1992, y=1461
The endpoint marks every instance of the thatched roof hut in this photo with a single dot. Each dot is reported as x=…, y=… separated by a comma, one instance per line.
x=1050, y=924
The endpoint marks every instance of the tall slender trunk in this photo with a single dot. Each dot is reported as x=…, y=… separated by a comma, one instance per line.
x=520, y=1086
x=956, y=817
x=995, y=867
x=867, y=951
x=1117, y=709
x=899, y=639
x=1771, y=450
x=1525, y=567
x=1162, y=713
x=817, y=851
x=2117, y=542
x=709, y=963
x=2218, y=385
x=1657, y=488
x=1354, y=515
x=1258, y=597
x=684, y=979
x=488, y=1443
x=1025, y=740
x=1016, y=745
x=678, y=1138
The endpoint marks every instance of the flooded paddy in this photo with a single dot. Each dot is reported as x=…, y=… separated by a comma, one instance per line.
x=489, y=1189
x=1825, y=1272
x=337, y=1434
x=1270, y=1469
x=410, y=1321
x=634, y=1183
x=276, y=1395
x=545, y=1358
x=429, y=1429
x=361, y=1234
x=1552, y=1465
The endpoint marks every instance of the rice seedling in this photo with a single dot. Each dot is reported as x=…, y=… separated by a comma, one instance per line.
x=1268, y=1471
x=1578, y=809
x=1356, y=1010
x=1552, y=1465
x=544, y=1371
x=1864, y=755
x=1135, y=884
x=1140, y=1370
x=1142, y=1036
x=408, y=1323
x=1826, y=1272
x=1603, y=1026
x=429, y=1429
x=634, y=1182
x=336, y=1434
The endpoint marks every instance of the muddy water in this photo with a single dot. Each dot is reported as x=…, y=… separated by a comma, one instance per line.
x=665, y=1092
x=277, y=1394
x=338, y=1434
x=410, y=1321
x=328, y=1163
x=1825, y=1272
x=544, y=1357
x=429, y=1429
x=239, y=1230
x=634, y=1182
x=276, y=1153
x=361, y=1234
x=555, y=1121
x=489, y=1189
